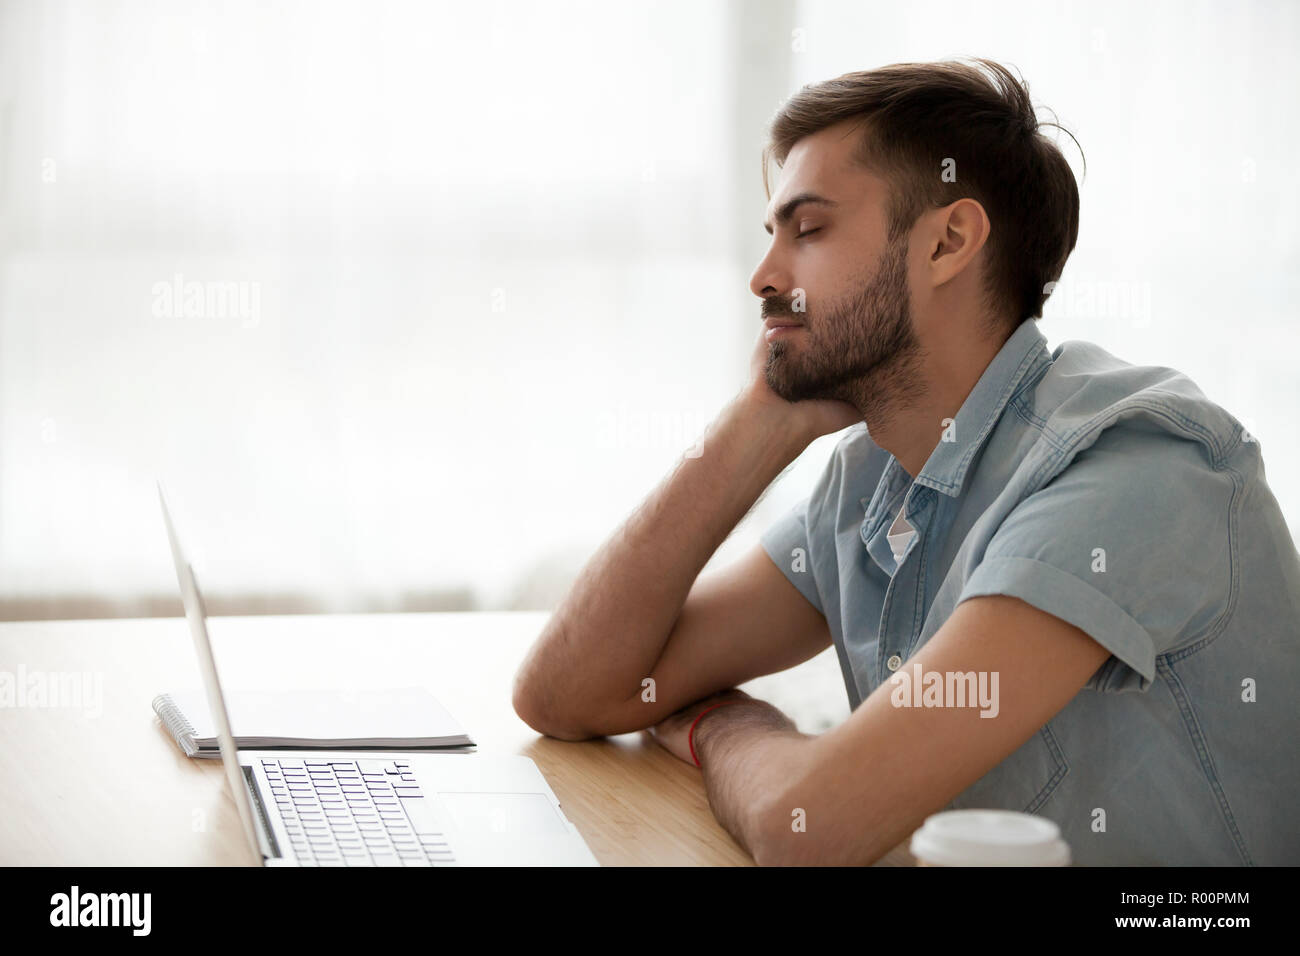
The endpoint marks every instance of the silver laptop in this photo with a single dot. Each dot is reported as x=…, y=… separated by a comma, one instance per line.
x=380, y=808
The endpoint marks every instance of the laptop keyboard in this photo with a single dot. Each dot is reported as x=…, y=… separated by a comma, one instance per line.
x=350, y=813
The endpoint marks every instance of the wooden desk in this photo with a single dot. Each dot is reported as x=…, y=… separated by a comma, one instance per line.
x=112, y=789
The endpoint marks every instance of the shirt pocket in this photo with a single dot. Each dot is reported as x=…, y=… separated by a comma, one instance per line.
x=1024, y=781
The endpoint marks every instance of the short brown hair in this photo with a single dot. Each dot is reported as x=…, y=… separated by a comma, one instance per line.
x=917, y=115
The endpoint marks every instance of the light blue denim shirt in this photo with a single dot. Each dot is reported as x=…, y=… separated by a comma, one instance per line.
x=1123, y=501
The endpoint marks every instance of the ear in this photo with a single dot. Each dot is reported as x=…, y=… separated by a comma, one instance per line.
x=958, y=233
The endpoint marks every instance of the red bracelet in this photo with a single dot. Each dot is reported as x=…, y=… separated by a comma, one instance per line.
x=690, y=734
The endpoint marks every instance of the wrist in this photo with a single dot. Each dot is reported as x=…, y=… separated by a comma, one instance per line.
x=691, y=732
x=772, y=418
x=756, y=713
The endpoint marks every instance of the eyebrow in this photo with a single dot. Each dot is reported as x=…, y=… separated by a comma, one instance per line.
x=786, y=212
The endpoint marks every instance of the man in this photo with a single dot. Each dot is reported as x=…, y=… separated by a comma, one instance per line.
x=1056, y=583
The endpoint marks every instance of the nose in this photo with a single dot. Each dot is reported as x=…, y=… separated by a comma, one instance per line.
x=770, y=277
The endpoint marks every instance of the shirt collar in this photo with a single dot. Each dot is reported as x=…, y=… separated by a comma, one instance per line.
x=1022, y=354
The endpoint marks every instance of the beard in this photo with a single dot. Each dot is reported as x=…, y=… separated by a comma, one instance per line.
x=861, y=349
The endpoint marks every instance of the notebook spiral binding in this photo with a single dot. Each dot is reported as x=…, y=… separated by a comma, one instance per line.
x=178, y=726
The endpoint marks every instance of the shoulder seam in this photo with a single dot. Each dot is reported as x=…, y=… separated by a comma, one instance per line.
x=1108, y=416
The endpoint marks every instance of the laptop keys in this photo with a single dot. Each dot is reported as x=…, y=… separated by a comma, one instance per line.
x=357, y=813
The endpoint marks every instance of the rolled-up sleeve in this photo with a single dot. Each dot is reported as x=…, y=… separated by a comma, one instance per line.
x=802, y=542
x=786, y=543
x=1130, y=543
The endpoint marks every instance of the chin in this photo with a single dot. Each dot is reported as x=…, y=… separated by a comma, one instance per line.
x=790, y=391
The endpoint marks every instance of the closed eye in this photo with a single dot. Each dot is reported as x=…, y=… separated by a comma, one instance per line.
x=808, y=232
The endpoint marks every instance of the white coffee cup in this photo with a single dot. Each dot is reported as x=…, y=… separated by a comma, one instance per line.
x=989, y=838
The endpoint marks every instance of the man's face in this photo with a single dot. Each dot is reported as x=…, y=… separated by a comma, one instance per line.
x=828, y=220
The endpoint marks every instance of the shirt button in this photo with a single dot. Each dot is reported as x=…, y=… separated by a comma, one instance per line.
x=894, y=662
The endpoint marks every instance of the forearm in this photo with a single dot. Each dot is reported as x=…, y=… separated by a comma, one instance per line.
x=750, y=752
x=610, y=630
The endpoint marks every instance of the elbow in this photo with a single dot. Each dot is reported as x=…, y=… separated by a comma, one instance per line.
x=528, y=705
x=531, y=707
x=538, y=702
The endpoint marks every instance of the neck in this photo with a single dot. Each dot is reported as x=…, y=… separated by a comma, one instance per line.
x=905, y=402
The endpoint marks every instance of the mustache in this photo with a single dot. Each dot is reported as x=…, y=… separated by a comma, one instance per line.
x=781, y=307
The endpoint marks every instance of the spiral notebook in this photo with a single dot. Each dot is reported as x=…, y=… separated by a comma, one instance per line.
x=408, y=718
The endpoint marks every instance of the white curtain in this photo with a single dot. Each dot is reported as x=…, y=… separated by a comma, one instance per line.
x=410, y=304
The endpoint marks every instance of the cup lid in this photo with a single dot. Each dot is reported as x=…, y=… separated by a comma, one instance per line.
x=989, y=838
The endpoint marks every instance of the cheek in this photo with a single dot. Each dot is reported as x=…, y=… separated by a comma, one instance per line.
x=822, y=288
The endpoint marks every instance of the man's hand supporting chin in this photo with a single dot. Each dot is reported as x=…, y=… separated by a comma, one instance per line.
x=749, y=752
